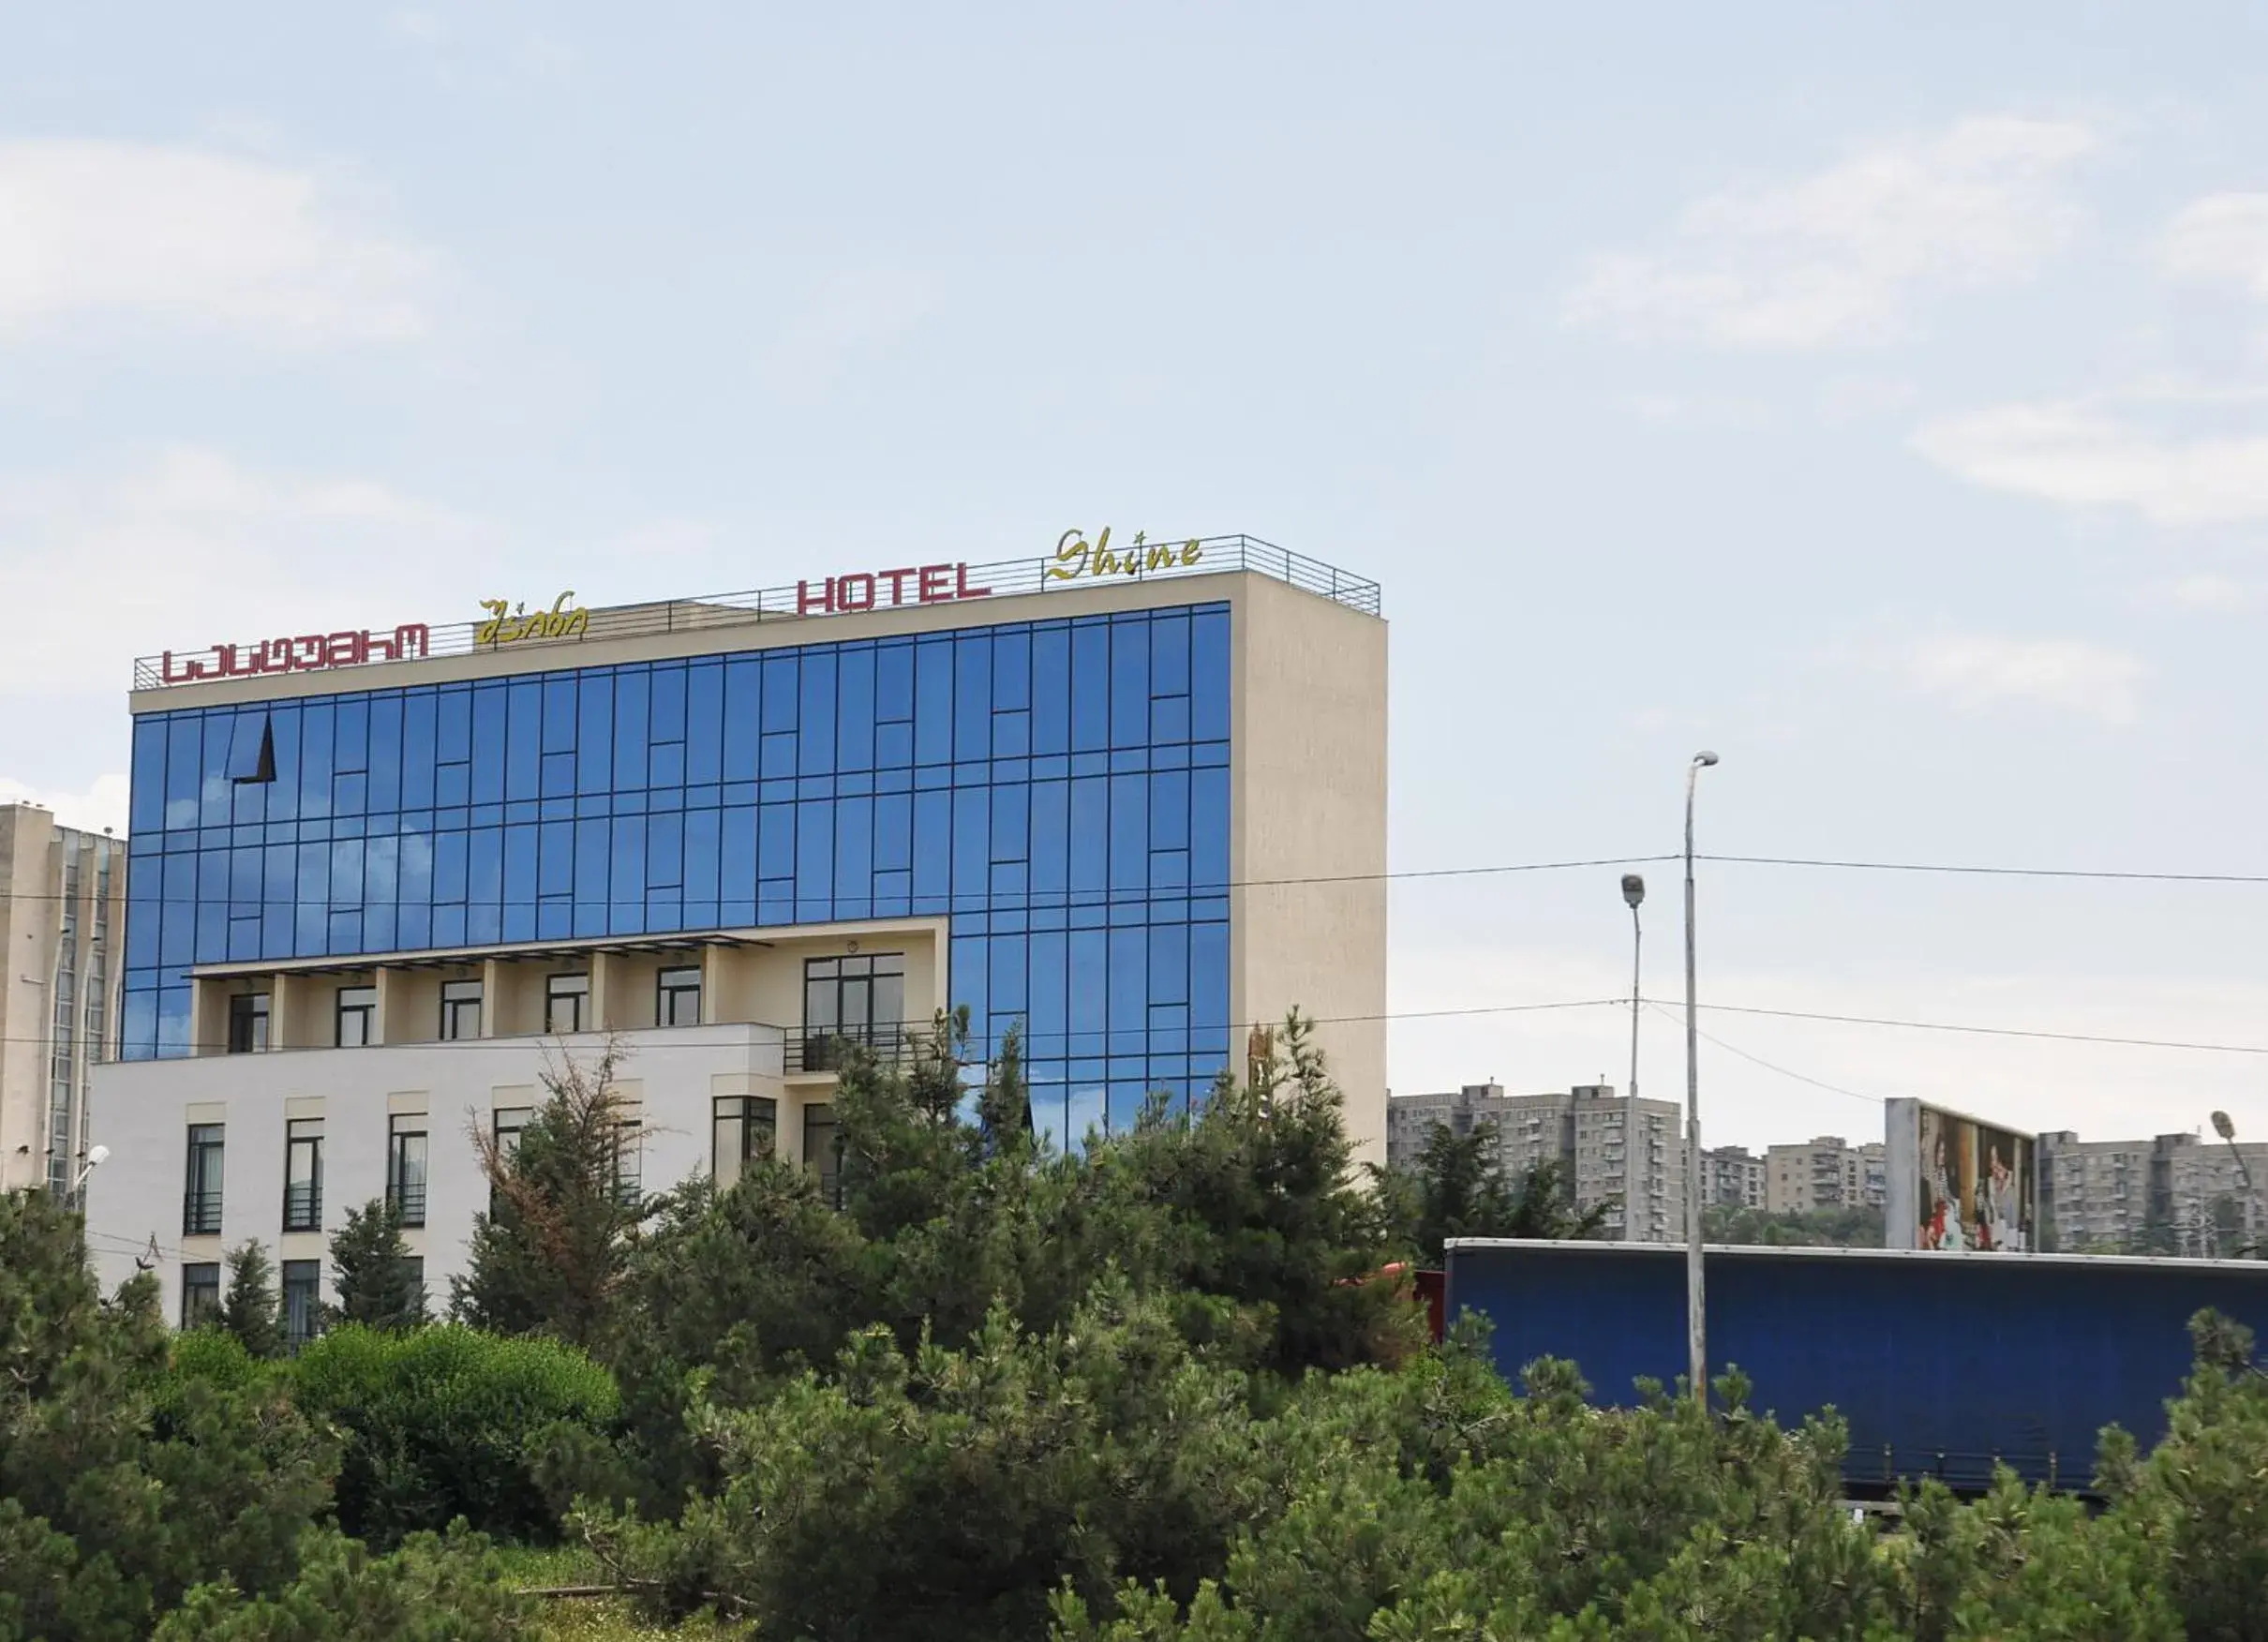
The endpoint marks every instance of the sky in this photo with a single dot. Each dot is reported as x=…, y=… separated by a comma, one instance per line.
x=1874, y=394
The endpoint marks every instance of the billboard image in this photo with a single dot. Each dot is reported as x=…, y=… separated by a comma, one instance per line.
x=1956, y=1183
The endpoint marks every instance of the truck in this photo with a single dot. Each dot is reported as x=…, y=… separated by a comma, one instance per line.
x=1940, y=1364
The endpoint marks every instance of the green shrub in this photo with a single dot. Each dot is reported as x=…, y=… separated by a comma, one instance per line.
x=442, y=1423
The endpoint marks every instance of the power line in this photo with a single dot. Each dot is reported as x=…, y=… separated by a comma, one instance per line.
x=1990, y=872
x=1989, y=1031
x=1403, y=875
x=1767, y=1066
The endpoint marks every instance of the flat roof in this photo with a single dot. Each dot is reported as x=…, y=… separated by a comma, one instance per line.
x=545, y=639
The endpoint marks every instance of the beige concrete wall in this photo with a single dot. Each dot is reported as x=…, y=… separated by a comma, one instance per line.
x=1308, y=800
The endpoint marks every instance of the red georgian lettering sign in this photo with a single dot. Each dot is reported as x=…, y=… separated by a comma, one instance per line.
x=862, y=589
x=307, y=653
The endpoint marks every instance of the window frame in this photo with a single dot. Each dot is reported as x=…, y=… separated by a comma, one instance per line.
x=364, y=1005
x=569, y=986
x=302, y=1136
x=838, y=977
x=666, y=992
x=299, y=1292
x=408, y=1200
x=200, y=1276
x=196, y=1194
x=747, y=1117
x=250, y=1020
x=456, y=996
x=819, y=1119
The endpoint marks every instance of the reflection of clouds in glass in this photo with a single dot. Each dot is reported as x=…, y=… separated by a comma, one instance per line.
x=1085, y=1113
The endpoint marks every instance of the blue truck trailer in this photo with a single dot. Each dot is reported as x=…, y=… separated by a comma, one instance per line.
x=1942, y=1365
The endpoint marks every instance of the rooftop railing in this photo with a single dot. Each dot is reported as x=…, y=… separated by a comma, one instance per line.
x=1083, y=565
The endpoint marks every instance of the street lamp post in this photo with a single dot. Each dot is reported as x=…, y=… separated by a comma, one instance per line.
x=1696, y=1324
x=1633, y=892
x=76, y=1197
x=2226, y=1130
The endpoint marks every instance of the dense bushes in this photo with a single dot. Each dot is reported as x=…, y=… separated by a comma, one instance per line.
x=441, y=1422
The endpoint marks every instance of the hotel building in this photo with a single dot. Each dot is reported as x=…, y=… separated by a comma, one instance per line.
x=1131, y=802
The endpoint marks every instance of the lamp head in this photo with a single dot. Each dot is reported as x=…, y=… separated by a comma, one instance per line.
x=97, y=1156
x=1703, y=760
x=1633, y=890
x=2222, y=1127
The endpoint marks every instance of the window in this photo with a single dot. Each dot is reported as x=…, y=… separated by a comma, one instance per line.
x=251, y=750
x=247, y=1023
x=303, y=1174
x=201, y=1192
x=200, y=1293
x=566, y=1003
x=679, y=999
x=460, y=1010
x=858, y=998
x=413, y=1267
x=302, y=1300
x=406, y=1167
x=742, y=1129
x=357, y=1015
x=629, y=1161
x=507, y=1124
x=823, y=1151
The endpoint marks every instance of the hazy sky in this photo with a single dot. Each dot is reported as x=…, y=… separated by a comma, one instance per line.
x=1877, y=394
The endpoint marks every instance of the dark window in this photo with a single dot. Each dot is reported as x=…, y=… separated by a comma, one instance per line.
x=405, y=1168
x=823, y=1151
x=679, y=999
x=743, y=1128
x=357, y=1015
x=460, y=1010
x=200, y=1293
x=247, y=1023
x=859, y=999
x=507, y=1122
x=413, y=1267
x=302, y=1300
x=251, y=750
x=303, y=1174
x=629, y=1160
x=201, y=1190
x=566, y=1003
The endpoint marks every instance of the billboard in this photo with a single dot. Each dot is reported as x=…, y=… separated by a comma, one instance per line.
x=1957, y=1183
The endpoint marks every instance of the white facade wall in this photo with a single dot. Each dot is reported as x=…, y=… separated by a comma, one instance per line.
x=134, y=1203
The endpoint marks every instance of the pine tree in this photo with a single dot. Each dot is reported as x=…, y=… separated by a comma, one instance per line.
x=251, y=1312
x=371, y=1271
x=550, y=1254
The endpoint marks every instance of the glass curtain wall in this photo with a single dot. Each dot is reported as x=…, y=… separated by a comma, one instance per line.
x=1060, y=789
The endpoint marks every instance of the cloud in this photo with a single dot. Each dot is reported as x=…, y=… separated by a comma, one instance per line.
x=2219, y=240
x=185, y=547
x=1860, y=398
x=179, y=239
x=1695, y=410
x=2081, y=455
x=102, y=805
x=1844, y=257
x=1978, y=672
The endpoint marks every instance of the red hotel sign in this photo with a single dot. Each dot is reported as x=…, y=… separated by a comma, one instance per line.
x=861, y=590
x=308, y=652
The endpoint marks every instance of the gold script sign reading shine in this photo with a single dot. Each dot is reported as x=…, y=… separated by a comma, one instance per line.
x=1076, y=558
x=510, y=626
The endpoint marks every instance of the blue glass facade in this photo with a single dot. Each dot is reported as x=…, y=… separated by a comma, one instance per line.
x=1060, y=789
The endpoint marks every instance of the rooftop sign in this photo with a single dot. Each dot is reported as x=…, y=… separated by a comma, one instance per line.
x=1075, y=561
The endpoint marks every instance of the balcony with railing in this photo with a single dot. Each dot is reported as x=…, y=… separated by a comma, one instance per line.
x=304, y=1206
x=892, y=1043
x=406, y=1199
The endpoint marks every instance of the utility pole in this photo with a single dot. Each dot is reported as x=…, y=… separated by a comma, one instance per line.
x=1633, y=892
x=1696, y=1323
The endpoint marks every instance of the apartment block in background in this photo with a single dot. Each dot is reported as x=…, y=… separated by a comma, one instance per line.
x=1825, y=1172
x=1583, y=1130
x=2178, y=1194
x=65, y=899
x=1732, y=1177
